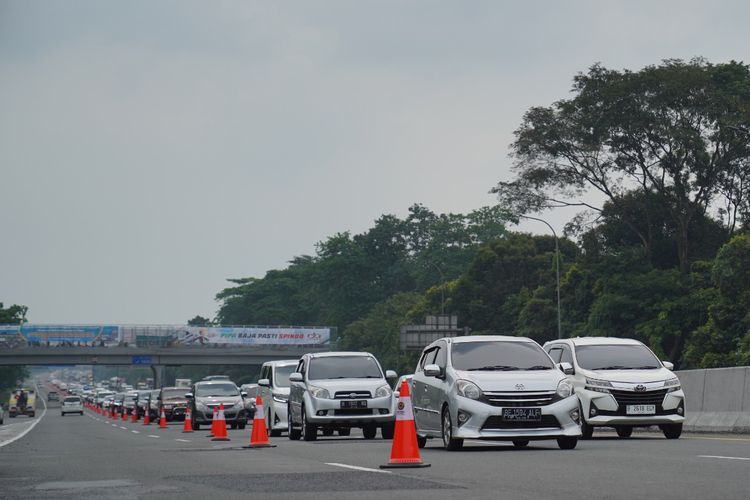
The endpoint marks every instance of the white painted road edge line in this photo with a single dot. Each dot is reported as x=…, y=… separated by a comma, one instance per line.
x=44, y=412
x=152, y=436
x=723, y=458
x=356, y=467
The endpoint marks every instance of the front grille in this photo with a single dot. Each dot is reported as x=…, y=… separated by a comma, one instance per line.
x=518, y=399
x=639, y=398
x=352, y=412
x=496, y=422
x=352, y=395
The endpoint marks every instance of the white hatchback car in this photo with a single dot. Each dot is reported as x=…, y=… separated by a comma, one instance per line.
x=71, y=404
x=492, y=388
x=621, y=384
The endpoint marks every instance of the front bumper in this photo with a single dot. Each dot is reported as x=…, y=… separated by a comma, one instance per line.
x=232, y=415
x=485, y=421
x=278, y=415
x=329, y=411
x=602, y=409
x=177, y=412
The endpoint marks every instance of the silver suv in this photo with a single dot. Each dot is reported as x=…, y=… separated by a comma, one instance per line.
x=336, y=391
x=492, y=388
x=205, y=396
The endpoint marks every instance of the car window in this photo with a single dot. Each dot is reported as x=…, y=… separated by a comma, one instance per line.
x=428, y=358
x=556, y=354
x=282, y=375
x=301, y=366
x=335, y=367
x=567, y=357
x=441, y=355
x=72, y=400
x=225, y=389
x=616, y=357
x=269, y=375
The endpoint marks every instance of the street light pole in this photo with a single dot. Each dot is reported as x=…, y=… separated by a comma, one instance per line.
x=557, y=262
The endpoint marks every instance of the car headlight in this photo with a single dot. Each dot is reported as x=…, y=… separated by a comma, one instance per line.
x=202, y=407
x=319, y=392
x=468, y=389
x=672, y=384
x=280, y=398
x=564, y=389
x=383, y=391
x=593, y=384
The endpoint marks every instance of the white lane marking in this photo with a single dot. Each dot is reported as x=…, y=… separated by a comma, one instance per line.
x=136, y=432
x=723, y=458
x=123, y=428
x=114, y=425
x=718, y=439
x=44, y=412
x=152, y=436
x=183, y=440
x=355, y=467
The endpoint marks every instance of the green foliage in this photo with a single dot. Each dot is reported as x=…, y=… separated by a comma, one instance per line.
x=9, y=375
x=13, y=315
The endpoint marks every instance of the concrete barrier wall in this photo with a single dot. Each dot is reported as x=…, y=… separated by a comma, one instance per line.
x=717, y=400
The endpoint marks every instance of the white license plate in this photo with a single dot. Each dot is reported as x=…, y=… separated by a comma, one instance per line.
x=640, y=409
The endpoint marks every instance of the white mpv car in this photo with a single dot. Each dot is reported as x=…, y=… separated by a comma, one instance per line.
x=621, y=384
x=492, y=388
x=273, y=387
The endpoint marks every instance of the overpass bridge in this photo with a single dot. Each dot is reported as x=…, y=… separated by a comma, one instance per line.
x=155, y=357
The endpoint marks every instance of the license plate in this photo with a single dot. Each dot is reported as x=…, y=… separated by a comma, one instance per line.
x=522, y=414
x=354, y=404
x=640, y=409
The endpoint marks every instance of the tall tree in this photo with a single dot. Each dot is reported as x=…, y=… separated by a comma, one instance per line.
x=676, y=132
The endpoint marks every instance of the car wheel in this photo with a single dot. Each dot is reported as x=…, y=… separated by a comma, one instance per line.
x=567, y=443
x=449, y=443
x=369, y=430
x=294, y=434
x=421, y=441
x=196, y=426
x=387, y=430
x=521, y=443
x=345, y=431
x=234, y=427
x=272, y=432
x=62, y=414
x=671, y=431
x=309, y=431
x=624, y=431
x=587, y=431
x=241, y=425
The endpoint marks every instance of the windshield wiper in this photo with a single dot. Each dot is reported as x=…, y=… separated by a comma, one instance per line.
x=615, y=367
x=646, y=367
x=494, y=368
x=538, y=367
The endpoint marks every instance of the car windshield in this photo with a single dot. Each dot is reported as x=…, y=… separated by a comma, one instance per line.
x=130, y=397
x=329, y=367
x=173, y=393
x=72, y=400
x=282, y=375
x=496, y=355
x=616, y=357
x=206, y=390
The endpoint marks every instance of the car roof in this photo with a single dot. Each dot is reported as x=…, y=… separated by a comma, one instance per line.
x=485, y=338
x=209, y=382
x=334, y=354
x=281, y=362
x=601, y=341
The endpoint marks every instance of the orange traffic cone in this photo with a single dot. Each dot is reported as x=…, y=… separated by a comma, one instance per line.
x=146, y=416
x=188, y=426
x=162, y=420
x=124, y=414
x=259, y=436
x=221, y=426
x=214, y=422
x=134, y=415
x=405, y=451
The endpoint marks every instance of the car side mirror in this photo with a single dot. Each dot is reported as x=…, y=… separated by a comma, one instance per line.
x=668, y=365
x=566, y=368
x=243, y=394
x=294, y=377
x=433, y=371
x=391, y=374
x=264, y=382
x=189, y=395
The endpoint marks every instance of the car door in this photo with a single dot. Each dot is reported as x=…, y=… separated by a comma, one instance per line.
x=264, y=392
x=436, y=387
x=421, y=396
x=296, y=393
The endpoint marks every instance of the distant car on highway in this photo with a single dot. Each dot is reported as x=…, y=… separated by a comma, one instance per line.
x=621, y=383
x=53, y=396
x=128, y=401
x=492, y=388
x=71, y=404
x=207, y=395
x=273, y=383
x=250, y=390
x=173, y=401
x=214, y=377
x=336, y=391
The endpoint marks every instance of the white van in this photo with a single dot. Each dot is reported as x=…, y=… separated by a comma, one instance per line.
x=273, y=388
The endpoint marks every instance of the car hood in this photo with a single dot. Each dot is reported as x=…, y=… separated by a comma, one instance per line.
x=625, y=378
x=349, y=384
x=541, y=380
x=227, y=400
x=175, y=401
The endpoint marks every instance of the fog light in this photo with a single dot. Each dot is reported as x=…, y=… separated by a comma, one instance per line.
x=680, y=410
x=593, y=411
x=322, y=413
x=576, y=416
x=383, y=411
x=463, y=417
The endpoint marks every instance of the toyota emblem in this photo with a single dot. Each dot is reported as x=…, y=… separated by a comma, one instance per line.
x=520, y=387
x=640, y=388
x=353, y=395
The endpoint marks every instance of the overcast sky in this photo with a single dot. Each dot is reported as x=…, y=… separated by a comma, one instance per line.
x=150, y=150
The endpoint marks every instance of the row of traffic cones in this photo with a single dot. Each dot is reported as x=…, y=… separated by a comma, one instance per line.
x=404, y=450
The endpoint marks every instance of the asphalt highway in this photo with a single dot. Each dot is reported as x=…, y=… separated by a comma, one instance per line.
x=94, y=457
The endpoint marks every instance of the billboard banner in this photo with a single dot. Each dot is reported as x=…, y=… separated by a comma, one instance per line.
x=69, y=334
x=230, y=336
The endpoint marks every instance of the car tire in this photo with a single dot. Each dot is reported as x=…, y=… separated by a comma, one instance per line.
x=369, y=431
x=671, y=431
x=387, y=430
x=294, y=434
x=62, y=414
x=449, y=442
x=271, y=431
x=567, y=443
x=196, y=426
x=421, y=441
x=345, y=431
x=587, y=431
x=80, y=413
x=234, y=427
x=309, y=431
x=624, y=431
x=521, y=443
x=241, y=425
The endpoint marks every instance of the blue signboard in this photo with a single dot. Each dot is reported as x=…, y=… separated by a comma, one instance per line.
x=142, y=360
